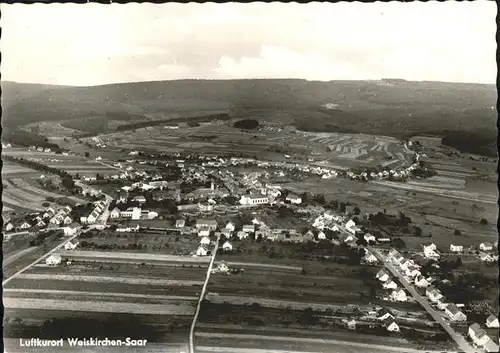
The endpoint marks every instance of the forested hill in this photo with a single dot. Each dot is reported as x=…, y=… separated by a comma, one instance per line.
x=390, y=107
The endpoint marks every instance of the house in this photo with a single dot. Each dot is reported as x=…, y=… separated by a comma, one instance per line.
x=421, y=282
x=93, y=217
x=206, y=223
x=242, y=235
x=491, y=346
x=67, y=220
x=492, y=322
x=25, y=225
x=255, y=199
x=205, y=241
x=71, y=229
x=295, y=199
x=230, y=226
x=146, y=214
x=390, y=325
x=412, y=271
x=486, y=257
x=370, y=258
x=248, y=228
x=141, y=199
x=393, y=253
x=53, y=260
x=390, y=285
x=351, y=239
x=399, y=295
x=369, y=237
x=180, y=223
x=454, y=313
x=202, y=251
x=398, y=259
x=486, y=246
x=478, y=335
x=405, y=264
x=433, y=294
x=115, y=213
x=430, y=251
x=350, y=224
x=227, y=246
x=351, y=324
x=83, y=220
x=133, y=213
x=70, y=246
x=226, y=233
x=382, y=275
x=41, y=224
x=383, y=314
x=456, y=248
x=204, y=232
x=9, y=227
x=222, y=267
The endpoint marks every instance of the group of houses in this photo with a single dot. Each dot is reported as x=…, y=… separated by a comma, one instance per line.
x=41, y=220
x=397, y=294
x=100, y=207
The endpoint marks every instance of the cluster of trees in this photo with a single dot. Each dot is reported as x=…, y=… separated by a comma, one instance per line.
x=27, y=138
x=480, y=142
x=191, y=121
x=67, y=179
x=247, y=124
x=91, y=246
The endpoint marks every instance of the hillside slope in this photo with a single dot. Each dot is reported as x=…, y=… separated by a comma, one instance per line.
x=394, y=107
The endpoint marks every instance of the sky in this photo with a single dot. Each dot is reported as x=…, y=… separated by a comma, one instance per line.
x=95, y=44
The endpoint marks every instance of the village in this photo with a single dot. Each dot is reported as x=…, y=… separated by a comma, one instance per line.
x=244, y=201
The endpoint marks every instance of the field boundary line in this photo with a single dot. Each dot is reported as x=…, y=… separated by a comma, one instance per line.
x=39, y=259
x=202, y=295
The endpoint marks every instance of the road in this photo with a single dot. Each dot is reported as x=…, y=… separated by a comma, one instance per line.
x=437, y=316
x=202, y=296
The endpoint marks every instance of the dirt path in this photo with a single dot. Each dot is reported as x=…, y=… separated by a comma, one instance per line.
x=10, y=259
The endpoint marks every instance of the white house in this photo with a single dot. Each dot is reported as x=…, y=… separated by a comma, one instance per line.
x=492, y=322
x=25, y=225
x=242, y=235
x=41, y=224
x=369, y=237
x=115, y=213
x=248, y=228
x=390, y=285
x=202, y=251
x=67, y=220
x=391, y=325
x=70, y=246
x=456, y=248
x=146, y=214
x=383, y=314
x=478, y=335
x=9, y=227
x=412, y=271
x=486, y=246
x=180, y=223
x=295, y=199
x=227, y=246
x=406, y=264
x=430, y=251
x=206, y=223
x=141, y=199
x=350, y=224
x=487, y=257
x=205, y=241
x=133, y=213
x=454, y=313
x=230, y=226
x=321, y=236
x=399, y=295
x=370, y=258
x=252, y=200
x=421, y=282
x=226, y=233
x=204, y=232
x=433, y=294
x=71, y=229
x=382, y=275
x=53, y=260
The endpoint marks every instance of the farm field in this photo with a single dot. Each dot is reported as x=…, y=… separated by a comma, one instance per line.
x=169, y=243
x=95, y=291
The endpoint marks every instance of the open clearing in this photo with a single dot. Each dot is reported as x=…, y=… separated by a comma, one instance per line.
x=131, y=308
x=130, y=257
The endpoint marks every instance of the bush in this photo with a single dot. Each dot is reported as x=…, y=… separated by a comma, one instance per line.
x=483, y=221
x=457, y=232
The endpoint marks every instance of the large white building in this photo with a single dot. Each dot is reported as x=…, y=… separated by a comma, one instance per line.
x=254, y=200
x=132, y=213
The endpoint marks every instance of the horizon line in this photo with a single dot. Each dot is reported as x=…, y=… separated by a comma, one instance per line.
x=246, y=79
